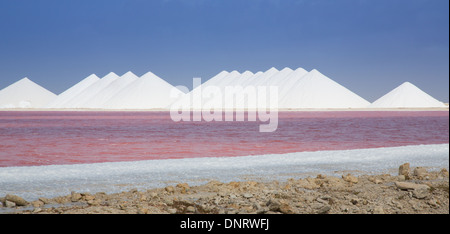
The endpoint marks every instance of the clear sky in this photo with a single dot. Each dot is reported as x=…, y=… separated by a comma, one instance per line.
x=369, y=46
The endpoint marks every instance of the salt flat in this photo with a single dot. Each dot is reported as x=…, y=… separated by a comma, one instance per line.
x=57, y=180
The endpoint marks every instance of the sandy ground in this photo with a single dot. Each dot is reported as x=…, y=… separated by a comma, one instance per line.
x=414, y=190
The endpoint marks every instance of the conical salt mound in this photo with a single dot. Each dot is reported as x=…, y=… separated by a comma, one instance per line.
x=252, y=81
x=316, y=91
x=110, y=91
x=406, y=95
x=214, y=80
x=81, y=98
x=147, y=92
x=25, y=94
x=65, y=96
x=289, y=81
x=238, y=79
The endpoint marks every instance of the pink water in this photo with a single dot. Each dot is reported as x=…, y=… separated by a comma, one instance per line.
x=48, y=138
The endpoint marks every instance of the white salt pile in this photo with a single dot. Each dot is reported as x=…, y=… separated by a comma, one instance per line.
x=84, y=96
x=315, y=90
x=406, y=95
x=103, y=96
x=72, y=92
x=296, y=89
x=25, y=94
x=147, y=92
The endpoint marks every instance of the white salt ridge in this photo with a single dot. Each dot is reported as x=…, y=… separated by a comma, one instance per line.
x=406, y=95
x=84, y=96
x=236, y=79
x=316, y=91
x=289, y=81
x=220, y=82
x=25, y=94
x=99, y=99
x=58, y=180
x=272, y=79
x=65, y=96
x=147, y=92
x=215, y=79
x=258, y=76
x=227, y=79
x=297, y=89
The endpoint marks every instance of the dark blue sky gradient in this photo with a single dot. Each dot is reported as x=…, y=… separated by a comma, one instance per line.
x=369, y=46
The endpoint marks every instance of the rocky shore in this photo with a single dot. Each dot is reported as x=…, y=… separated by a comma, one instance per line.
x=413, y=190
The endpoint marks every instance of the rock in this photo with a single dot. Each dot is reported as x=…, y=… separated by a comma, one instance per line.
x=232, y=211
x=16, y=199
x=404, y=170
x=421, y=193
x=190, y=209
x=9, y=204
x=45, y=200
x=378, y=181
x=143, y=198
x=286, y=208
x=169, y=189
x=37, y=210
x=172, y=211
x=142, y=211
x=134, y=190
x=378, y=210
x=88, y=197
x=62, y=200
x=375, y=180
x=320, y=176
x=401, y=178
x=75, y=197
x=93, y=202
x=273, y=205
x=322, y=200
x=247, y=195
x=321, y=208
x=443, y=172
x=37, y=203
x=420, y=172
x=349, y=178
x=410, y=186
x=184, y=187
x=153, y=195
x=308, y=183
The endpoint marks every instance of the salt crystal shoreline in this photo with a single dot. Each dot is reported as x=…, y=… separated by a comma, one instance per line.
x=33, y=182
x=424, y=192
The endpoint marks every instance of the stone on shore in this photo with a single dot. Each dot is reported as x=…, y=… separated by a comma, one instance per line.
x=410, y=186
x=75, y=197
x=375, y=194
x=349, y=178
x=420, y=172
x=16, y=199
x=444, y=172
x=404, y=170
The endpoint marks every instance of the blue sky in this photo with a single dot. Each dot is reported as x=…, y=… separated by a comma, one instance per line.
x=369, y=46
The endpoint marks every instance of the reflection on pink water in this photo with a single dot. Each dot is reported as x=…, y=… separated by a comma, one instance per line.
x=47, y=138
